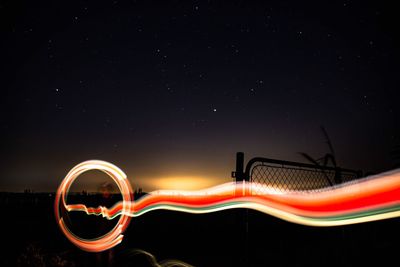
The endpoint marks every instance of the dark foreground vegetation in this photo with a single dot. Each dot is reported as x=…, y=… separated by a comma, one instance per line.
x=30, y=237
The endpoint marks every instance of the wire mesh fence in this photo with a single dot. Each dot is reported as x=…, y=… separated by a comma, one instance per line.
x=283, y=178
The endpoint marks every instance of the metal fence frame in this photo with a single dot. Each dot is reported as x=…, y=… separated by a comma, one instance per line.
x=242, y=174
x=246, y=174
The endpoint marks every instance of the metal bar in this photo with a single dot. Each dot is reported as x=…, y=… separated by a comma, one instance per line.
x=290, y=163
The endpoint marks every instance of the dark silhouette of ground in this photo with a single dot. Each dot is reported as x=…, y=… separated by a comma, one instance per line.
x=31, y=238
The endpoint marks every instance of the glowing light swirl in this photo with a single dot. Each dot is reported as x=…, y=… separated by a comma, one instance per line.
x=365, y=200
x=113, y=237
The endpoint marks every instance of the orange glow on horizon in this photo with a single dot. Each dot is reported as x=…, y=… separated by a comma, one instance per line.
x=182, y=182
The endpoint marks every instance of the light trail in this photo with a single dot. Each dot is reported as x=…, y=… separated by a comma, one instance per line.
x=368, y=199
x=153, y=261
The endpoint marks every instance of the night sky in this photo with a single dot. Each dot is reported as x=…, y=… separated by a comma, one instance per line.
x=169, y=91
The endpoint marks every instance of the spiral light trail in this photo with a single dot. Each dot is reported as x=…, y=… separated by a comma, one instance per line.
x=368, y=199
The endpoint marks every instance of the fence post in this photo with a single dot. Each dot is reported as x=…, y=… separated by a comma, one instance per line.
x=243, y=214
x=239, y=174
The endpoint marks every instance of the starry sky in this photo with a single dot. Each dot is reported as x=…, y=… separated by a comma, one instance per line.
x=169, y=91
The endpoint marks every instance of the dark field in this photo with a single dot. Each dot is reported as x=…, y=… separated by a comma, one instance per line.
x=31, y=237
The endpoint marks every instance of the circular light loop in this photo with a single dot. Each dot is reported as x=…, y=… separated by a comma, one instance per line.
x=114, y=236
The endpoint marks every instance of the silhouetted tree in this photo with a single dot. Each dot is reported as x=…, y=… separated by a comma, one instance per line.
x=324, y=161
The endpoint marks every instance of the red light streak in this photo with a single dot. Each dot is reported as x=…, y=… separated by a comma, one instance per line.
x=365, y=200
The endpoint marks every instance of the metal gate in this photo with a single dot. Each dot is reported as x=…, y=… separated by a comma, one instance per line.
x=281, y=176
x=284, y=176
